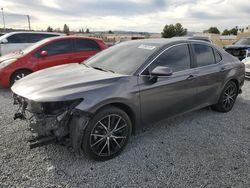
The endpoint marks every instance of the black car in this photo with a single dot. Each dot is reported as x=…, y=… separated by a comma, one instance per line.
x=238, y=49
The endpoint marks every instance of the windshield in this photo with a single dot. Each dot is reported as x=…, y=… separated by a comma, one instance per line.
x=245, y=41
x=35, y=45
x=123, y=58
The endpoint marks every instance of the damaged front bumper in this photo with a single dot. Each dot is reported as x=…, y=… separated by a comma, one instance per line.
x=52, y=121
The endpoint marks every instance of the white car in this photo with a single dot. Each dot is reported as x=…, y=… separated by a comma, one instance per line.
x=15, y=41
x=247, y=65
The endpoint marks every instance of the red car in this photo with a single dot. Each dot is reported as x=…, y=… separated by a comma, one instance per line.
x=47, y=53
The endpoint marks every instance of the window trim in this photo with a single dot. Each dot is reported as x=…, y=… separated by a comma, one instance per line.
x=215, y=50
x=169, y=47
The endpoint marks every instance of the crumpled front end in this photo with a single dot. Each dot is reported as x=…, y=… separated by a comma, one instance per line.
x=49, y=121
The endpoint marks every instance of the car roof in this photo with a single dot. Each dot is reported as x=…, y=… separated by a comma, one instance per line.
x=30, y=32
x=165, y=41
x=72, y=37
x=35, y=32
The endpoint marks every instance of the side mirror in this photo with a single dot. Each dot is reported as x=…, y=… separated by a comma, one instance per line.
x=43, y=53
x=4, y=41
x=161, y=71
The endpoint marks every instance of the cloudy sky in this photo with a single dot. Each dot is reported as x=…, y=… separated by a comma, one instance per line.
x=132, y=15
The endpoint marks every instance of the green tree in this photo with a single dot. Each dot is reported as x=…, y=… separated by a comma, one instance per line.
x=87, y=30
x=49, y=29
x=173, y=30
x=233, y=31
x=66, y=29
x=110, y=32
x=214, y=30
x=226, y=32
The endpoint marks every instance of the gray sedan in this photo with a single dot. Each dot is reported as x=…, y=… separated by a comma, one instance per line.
x=96, y=105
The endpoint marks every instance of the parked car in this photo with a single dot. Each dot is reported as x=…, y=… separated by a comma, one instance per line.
x=238, y=49
x=247, y=64
x=16, y=41
x=47, y=53
x=99, y=103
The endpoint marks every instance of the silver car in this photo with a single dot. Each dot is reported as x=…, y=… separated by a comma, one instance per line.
x=98, y=104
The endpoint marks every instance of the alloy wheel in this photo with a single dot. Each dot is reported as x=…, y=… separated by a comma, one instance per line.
x=19, y=76
x=109, y=135
x=229, y=96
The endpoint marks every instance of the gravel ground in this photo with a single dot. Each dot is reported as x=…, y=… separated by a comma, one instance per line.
x=198, y=149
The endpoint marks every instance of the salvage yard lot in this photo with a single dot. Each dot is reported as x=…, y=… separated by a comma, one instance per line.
x=198, y=149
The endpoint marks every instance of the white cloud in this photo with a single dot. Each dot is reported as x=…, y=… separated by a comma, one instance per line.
x=135, y=15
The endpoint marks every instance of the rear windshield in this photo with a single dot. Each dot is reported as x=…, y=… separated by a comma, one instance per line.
x=123, y=58
x=245, y=41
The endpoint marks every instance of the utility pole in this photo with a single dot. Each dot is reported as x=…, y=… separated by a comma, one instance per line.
x=3, y=20
x=28, y=17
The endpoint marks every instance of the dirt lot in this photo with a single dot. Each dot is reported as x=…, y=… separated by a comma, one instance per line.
x=199, y=149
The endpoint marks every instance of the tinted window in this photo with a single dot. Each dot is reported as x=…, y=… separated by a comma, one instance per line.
x=86, y=45
x=177, y=58
x=37, y=37
x=28, y=37
x=18, y=38
x=217, y=56
x=204, y=55
x=57, y=47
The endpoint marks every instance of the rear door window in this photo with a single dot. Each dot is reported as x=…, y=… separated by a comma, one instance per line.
x=204, y=55
x=57, y=48
x=86, y=45
x=217, y=56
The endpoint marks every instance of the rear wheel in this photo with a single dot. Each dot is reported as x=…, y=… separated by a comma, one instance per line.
x=227, y=98
x=18, y=75
x=107, y=134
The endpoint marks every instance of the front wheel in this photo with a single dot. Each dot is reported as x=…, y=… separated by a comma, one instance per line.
x=18, y=75
x=107, y=134
x=227, y=98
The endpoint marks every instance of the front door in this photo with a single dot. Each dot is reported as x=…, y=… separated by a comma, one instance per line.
x=168, y=95
x=58, y=53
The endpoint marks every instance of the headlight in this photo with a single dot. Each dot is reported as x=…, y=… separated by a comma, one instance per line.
x=6, y=63
x=53, y=108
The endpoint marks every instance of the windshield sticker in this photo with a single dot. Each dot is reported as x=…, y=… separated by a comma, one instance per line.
x=147, y=47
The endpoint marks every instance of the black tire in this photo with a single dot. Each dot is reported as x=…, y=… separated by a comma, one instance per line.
x=227, y=98
x=107, y=134
x=18, y=75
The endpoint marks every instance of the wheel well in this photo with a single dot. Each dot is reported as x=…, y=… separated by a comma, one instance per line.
x=128, y=111
x=18, y=71
x=236, y=82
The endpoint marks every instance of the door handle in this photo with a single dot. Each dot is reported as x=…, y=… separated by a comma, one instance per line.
x=191, y=77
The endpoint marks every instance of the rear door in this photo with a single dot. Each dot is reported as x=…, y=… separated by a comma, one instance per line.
x=210, y=73
x=84, y=48
x=59, y=52
x=169, y=95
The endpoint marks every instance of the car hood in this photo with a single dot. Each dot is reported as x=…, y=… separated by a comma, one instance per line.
x=65, y=82
x=13, y=55
x=236, y=46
